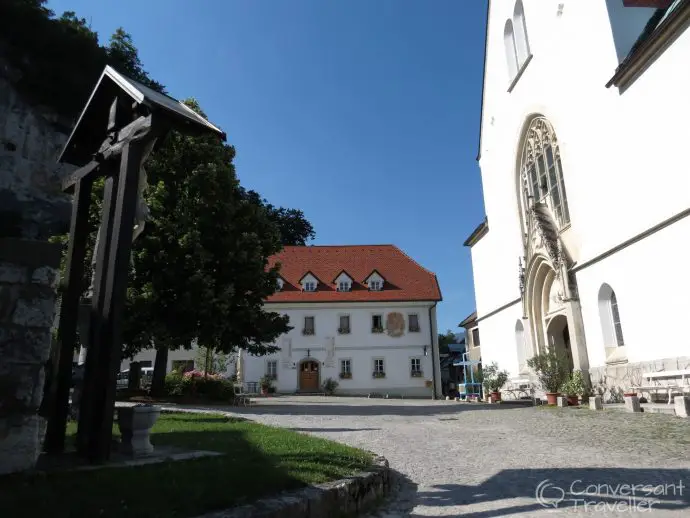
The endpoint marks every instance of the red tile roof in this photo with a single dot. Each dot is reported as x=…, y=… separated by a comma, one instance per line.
x=405, y=280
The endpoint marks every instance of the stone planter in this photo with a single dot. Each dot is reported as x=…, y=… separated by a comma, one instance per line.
x=135, y=426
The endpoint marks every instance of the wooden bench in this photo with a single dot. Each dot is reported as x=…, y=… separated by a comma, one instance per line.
x=681, y=385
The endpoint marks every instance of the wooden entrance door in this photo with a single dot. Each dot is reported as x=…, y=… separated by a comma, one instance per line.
x=309, y=376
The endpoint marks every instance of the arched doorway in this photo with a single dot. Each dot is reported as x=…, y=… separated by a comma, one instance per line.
x=309, y=375
x=558, y=337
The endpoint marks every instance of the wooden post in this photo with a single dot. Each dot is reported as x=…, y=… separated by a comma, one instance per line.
x=109, y=343
x=76, y=251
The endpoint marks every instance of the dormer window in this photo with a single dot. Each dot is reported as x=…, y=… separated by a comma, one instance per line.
x=343, y=282
x=309, y=282
x=279, y=284
x=375, y=281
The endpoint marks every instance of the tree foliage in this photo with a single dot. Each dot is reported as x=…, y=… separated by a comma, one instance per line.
x=444, y=340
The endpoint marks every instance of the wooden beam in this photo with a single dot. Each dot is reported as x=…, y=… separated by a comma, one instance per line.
x=91, y=380
x=89, y=171
x=67, y=334
x=109, y=351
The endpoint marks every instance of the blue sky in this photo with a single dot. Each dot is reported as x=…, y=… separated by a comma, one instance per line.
x=362, y=113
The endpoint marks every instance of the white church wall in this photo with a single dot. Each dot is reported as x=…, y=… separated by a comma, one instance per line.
x=497, y=337
x=597, y=127
x=652, y=300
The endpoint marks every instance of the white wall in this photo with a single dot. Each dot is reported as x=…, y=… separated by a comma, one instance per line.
x=497, y=339
x=361, y=346
x=651, y=288
x=624, y=159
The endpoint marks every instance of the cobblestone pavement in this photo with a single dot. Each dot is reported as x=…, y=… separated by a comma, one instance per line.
x=457, y=459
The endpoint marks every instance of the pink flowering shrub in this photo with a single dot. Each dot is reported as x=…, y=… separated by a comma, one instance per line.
x=195, y=383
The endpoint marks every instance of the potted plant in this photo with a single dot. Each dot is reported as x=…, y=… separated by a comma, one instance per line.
x=345, y=375
x=494, y=379
x=552, y=370
x=574, y=387
x=266, y=383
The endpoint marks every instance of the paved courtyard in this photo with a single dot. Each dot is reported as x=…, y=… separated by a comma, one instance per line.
x=484, y=461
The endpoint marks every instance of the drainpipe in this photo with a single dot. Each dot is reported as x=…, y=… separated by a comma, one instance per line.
x=433, y=356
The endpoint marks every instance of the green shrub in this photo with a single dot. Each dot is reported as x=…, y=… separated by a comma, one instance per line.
x=552, y=370
x=330, y=386
x=196, y=384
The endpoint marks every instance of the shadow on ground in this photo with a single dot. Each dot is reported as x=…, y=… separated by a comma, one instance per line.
x=342, y=409
x=586, y=490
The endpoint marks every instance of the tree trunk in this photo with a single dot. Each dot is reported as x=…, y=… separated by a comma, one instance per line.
x=160, y=367
x=207, y=363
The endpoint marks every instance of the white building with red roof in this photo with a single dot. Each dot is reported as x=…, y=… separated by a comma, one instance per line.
x=364, y=316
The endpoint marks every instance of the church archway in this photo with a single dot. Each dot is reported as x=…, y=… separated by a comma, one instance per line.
x=558, y=337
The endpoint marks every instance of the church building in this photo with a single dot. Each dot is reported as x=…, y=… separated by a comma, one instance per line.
x=586, y=185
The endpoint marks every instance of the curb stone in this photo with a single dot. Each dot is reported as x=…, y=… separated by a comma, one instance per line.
x=345, y=497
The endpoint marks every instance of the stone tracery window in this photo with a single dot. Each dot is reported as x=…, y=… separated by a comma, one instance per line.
x=542, y=171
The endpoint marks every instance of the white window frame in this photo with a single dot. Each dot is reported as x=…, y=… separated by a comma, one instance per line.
x=516, y=44
x=375, y=365
x=344, y=286
x=304, y=324
x=380, y=315
x=611, y=326
x=409, y=323
x=273, y=376
x=414, y=359
x=375, y=285
x=349, y=323
x=310, y=286
x=349, y=366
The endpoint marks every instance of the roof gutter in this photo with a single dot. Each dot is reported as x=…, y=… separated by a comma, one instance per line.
x=433, y=355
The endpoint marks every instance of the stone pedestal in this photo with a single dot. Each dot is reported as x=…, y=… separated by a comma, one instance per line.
x=595, y=403
x=682, y=404
x=562, y=401
x=632, y=404
x=135, y=424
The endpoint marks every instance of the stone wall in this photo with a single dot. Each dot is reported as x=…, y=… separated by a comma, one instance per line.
x=612, y=380
x=32, y=209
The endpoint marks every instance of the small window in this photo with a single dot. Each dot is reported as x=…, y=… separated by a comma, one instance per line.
x=615, y=316
x=345, y=369
x=415, y=367
x=379, y=368
x=272, y=369
x=279, y=284
x=344, y=286
x=375, y=285
x=310, y=286
x=309, y=326
x=344, y=324
x=377, y=323
x=475, y=337
x=413, y=323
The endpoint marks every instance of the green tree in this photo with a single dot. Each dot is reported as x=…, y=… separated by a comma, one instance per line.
x=444, y=340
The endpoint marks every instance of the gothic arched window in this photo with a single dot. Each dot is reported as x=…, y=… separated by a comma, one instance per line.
x=542, y=171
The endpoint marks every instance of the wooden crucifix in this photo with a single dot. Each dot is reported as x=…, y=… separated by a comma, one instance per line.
x=117, y=130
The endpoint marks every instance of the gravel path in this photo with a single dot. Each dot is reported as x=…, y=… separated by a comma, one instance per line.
x=486, y=461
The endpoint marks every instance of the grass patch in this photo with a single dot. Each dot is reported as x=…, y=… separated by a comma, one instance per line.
x=258, y=461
